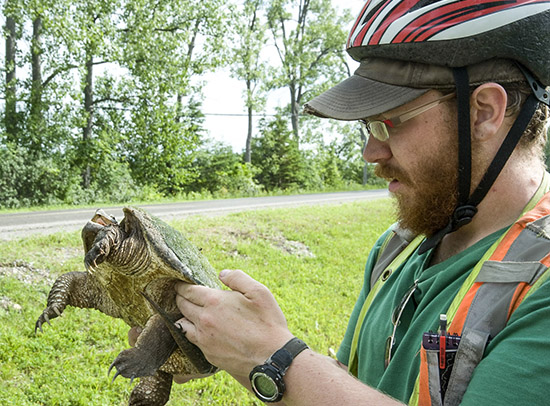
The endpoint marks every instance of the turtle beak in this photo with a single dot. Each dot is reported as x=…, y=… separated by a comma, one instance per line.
x=99, y=221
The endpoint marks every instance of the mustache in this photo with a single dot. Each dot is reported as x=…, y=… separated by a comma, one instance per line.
x=390, y=172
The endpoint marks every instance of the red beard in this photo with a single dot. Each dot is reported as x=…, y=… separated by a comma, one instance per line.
x=429, y=198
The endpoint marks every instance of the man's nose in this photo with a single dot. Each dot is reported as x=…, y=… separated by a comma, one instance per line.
x=376, y=151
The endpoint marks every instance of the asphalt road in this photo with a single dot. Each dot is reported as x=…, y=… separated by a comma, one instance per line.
x=15, y=225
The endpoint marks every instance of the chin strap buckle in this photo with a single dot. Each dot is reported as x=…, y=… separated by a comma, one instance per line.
x=463, y=215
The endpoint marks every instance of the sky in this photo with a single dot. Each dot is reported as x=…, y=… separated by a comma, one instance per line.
x=224, y=95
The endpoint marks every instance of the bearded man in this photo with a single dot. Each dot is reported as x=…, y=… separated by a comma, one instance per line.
x=456, y=300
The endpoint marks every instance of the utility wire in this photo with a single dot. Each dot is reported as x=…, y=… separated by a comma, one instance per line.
x=238, y=114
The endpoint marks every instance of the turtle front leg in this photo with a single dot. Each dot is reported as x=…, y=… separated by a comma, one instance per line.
x=105, y=239
x=152, y=390
x=75, y=289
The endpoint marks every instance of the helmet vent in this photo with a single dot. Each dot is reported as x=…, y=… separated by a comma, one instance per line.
x=421, y=4
x=372, y=13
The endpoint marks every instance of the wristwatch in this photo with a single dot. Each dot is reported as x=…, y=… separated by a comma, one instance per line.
x=267, y=379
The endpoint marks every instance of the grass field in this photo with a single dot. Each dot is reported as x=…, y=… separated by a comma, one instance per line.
x=311, y=258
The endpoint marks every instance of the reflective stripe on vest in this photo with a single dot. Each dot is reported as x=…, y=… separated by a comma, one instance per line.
x=499, y=287
x=509, y=271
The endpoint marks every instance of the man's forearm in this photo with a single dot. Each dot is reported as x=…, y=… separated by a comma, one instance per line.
x=314, y=379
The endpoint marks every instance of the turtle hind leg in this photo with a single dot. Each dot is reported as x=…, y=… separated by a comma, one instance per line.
x=153, y=347
x=152, y=390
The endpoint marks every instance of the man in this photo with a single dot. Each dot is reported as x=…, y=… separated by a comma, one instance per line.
x=431, y=73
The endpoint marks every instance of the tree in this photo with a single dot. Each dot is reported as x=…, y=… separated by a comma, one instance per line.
x=160, y=50
x=247, y=63
x=96, y=26
x=309, y=41
x=11, y=12
x=221, y=171
x=37, y=122
x=277, y=157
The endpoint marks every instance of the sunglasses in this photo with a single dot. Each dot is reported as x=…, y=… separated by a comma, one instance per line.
x=379, y=128
x=396, y=320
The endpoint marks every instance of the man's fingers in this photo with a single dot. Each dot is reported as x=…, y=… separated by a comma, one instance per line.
x=188, y=329
x=191, y=314
x=239, y=281
x=193, y=293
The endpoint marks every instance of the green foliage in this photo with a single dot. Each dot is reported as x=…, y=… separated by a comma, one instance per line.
x=35, y=179
x=104, y=99
x=220, y=171
x=276, y=156
x=247, y=63
x=250, y=34
x=547, y=150
x=161, y=148
x=312, y=259
x=309, y=38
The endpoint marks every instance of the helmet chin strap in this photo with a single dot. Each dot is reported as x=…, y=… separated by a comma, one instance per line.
x=466, y=204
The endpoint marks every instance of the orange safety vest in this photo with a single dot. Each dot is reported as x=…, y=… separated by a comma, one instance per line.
x=509, y=271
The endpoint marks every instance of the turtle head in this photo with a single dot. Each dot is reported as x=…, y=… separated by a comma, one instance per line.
x=96, y=226
x=99, y=236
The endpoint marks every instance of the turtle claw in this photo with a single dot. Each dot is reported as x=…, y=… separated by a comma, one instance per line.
x=132, y=363
x=90, y=268
x=116, y=373
x=49, y=313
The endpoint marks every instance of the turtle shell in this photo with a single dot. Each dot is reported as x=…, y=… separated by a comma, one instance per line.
x=142, y=254
x=171, y=247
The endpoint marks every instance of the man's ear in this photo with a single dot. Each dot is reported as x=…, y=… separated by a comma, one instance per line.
x=487, y=110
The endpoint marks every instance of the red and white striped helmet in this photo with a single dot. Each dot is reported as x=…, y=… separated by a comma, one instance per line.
x=408, y=34
x=455, y=33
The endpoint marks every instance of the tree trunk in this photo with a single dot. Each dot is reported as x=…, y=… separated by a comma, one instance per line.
x=10, y=115
x=179, y=108
x=87, y=131
x=248, y=147
x=36, y=118
x=294, y=113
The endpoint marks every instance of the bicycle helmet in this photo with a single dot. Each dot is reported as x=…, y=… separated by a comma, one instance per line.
x=407, y=47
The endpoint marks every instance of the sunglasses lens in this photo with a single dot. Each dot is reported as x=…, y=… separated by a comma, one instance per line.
x=378, y=130
x=396, y=319
x=396, y=315
x=389, y=346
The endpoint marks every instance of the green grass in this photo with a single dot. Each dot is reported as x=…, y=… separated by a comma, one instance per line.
x=311, y=258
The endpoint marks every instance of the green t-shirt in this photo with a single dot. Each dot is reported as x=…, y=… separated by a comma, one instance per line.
x=516, y=364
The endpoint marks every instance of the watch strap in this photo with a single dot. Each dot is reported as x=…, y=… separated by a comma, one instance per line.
x=273, y=371
x=283, y=357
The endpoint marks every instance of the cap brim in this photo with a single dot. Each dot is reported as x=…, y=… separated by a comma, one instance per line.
x=359, y=97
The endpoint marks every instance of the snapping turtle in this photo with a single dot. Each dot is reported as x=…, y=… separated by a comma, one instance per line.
x=132, y=268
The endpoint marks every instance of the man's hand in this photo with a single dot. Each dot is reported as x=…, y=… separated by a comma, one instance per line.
x=133, y=335
x=236, y=329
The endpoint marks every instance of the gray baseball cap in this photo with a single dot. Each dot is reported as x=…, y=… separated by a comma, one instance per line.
x=380, y=84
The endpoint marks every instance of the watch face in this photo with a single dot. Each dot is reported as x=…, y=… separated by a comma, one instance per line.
x=264, y=385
